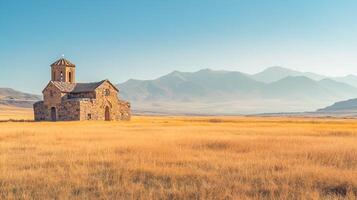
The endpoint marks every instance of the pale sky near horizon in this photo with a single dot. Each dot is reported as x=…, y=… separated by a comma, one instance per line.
x=137, y=39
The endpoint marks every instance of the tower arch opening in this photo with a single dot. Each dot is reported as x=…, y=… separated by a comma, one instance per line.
x=70, y=77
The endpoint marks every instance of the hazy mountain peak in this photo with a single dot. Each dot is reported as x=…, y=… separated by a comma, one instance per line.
x=175, y=75
x=175, y=72
x=133, y=80
x=349, y=76
x=277, y=68
x=205, y=70
x=273, y=74
x=349, y=79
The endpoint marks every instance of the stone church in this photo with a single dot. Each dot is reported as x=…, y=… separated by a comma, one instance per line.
x=66, y=100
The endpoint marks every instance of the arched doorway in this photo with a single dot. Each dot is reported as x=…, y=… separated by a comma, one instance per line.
x=107, y=113
x=53, y=114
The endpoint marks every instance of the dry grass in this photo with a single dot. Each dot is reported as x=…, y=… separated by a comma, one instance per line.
x=180, y=158
x=15, y=113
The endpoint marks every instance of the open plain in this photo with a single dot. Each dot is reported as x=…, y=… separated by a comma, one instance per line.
x=180, y=158
x=15, y=113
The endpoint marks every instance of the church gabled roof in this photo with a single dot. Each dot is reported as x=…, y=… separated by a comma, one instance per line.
x=86, y=87
x=63, y=62
x=79, y=87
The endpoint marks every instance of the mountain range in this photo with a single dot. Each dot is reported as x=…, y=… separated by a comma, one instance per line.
x=275, y=89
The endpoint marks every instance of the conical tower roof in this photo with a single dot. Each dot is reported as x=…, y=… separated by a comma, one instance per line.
x=63, y=62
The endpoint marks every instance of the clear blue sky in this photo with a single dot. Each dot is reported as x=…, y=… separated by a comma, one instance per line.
x=146, y=39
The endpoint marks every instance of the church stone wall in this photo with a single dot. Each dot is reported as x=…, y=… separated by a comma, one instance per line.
x=91, y=109
x=118, y=109
x=65, y=111
x=106, y=96
x=52, y=96
x=124, y=110
x=40, y=111
x=69, y=110
x=84, y=109
x=88, y=110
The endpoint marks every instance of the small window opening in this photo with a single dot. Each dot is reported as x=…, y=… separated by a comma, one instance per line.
x=107, y=92
x=89, y=116
x=61, y=76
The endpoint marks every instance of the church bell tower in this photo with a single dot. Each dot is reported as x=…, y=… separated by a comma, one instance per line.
x=63, y=71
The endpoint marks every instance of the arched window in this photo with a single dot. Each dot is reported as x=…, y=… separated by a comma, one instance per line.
x=61, y=76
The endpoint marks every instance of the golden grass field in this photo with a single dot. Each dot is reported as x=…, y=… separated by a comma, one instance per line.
x=9, y=112
x=180, y=158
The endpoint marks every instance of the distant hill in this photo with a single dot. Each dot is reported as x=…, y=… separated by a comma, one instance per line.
x=13, y=97
x=228, y=92
x=348, y=106
x=272, y=74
